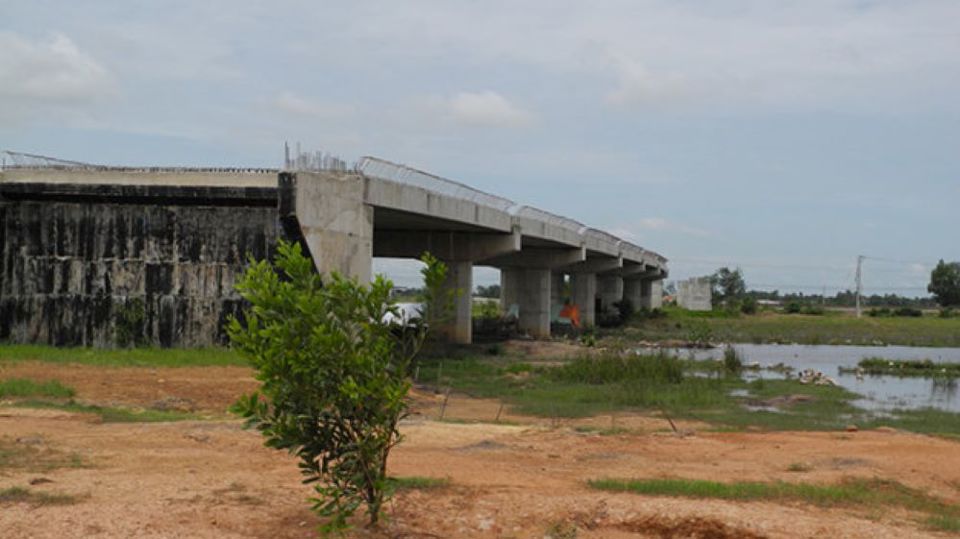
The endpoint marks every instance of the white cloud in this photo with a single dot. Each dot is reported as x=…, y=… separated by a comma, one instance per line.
x=487, y=109
x=35, y=75
x=293, y=104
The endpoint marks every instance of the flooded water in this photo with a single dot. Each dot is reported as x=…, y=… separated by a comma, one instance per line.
x=879, y=392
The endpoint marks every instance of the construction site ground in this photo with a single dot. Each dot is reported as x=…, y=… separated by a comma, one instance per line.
x=520, y=477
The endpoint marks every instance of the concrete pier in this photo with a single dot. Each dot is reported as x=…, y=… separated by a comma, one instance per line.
x=529, y=289
x=583, y=288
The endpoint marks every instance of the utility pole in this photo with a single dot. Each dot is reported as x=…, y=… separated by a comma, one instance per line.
x=859, y=281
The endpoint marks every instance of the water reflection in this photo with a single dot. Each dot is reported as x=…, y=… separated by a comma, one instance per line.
x=879, y=392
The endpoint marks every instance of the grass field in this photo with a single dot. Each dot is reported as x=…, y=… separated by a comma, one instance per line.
x=833, y=327
x=658, y=384
x=126, y=357
x=865, y=493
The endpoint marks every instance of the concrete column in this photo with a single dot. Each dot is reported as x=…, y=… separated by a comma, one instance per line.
x=511, y=280
x=529, y=288
x=583, y=287
x=610, y=290
x=335, y=224
x=556, y=293
x=459, y=328
x=633, y=291
x=651, y=293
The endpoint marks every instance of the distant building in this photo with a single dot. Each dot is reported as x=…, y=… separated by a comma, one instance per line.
x=695, y=294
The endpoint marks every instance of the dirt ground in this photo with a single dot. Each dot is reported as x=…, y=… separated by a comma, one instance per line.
x=205, y=479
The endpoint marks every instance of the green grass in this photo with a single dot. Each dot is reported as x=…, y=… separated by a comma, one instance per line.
x=653, y=384
x=870, y=493
x=417, y=483
x=831, y=328
x=24, y=387
x=23, y=495
x=112, y=414
x=907, y=367
x=133, y=357
x=947, y=523
x=29, y=457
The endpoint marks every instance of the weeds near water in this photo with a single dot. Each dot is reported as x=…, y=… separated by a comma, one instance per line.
x=731, y=360
x=614, y=368
x=909, y=367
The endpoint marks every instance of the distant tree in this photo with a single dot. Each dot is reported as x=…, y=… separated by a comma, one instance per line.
x=945, y=283
x=492, y=291
x=670, y=289
x=728, y=284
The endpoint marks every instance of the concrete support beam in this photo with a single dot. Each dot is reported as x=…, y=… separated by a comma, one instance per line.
x=335, y=223
x=470, y=246
x=583, y=288
x=539, y=258
x=529, y=288
x=610, y=290
x=596, y=265
x=459, y=329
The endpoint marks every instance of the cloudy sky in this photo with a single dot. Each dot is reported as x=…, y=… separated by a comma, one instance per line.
x=784, y=137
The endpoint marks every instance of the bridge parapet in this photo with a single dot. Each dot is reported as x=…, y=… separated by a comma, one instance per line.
x=548, y=226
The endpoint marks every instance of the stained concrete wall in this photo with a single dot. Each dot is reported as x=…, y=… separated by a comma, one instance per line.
x=92, y=267
x=695, y=294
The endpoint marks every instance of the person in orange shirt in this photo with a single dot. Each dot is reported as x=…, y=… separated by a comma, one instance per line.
x=572, y=312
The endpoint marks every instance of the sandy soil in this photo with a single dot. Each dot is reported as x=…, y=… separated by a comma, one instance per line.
x=210, y=479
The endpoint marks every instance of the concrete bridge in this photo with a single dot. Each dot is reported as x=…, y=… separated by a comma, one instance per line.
x=381, y=209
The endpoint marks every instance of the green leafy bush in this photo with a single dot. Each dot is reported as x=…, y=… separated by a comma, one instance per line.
x=333, y=374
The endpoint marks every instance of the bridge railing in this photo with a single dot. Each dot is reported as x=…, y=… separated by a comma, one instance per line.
x=385, y=170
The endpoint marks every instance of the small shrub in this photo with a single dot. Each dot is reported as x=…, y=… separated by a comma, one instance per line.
x=333, y=377
x=793, y=307
x=731, y=360
x=700, y=334
x=908, y=312
x=588, y=338
x=811, y=309
x=749, y=305
x=947, y=312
